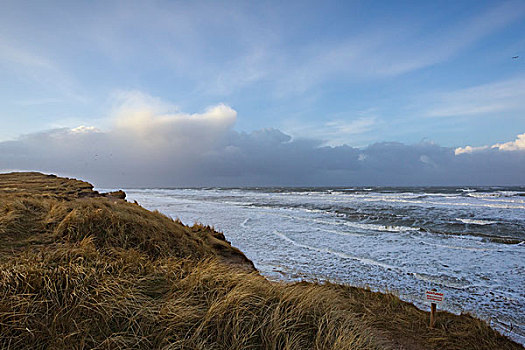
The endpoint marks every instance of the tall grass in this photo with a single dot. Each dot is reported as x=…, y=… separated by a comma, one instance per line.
x=75, y=296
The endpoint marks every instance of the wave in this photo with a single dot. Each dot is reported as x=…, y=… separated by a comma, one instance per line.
x=504, y=199
x=382, y=228
x=475, y=222
x=466, y=190
x=358, y=225
x=502, y=205
x=497, y=194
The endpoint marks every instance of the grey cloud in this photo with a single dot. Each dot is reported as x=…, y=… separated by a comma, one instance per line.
x=150, y=146
x=261, y=158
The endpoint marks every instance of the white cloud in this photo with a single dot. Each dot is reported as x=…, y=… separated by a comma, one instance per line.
x=154, y=124
x=352, y=127
x=38, y=101
x=14, y=55
x=455, y=39
x=501, y=96
x=250, y=47
x=220, y=49
x=469, y=149
x=39, y=69
x=516, y=145
x=393, y=49
x=339, y=132
x=336, y=131
x=82, y=129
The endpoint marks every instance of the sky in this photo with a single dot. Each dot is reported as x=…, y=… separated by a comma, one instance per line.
x=245, y=93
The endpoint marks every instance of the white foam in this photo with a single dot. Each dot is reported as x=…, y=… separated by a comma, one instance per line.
x=466, y=190
x=337, y=253
x=341, y=233
x=243, y=224
x=382, y=228
x=358, y=225
x=499, y=205
x=476, y=222
x=498, y=194
x=443, y=280
x=458, y=247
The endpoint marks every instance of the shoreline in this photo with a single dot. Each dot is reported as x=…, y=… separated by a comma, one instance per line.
x=401, y=259
x=63, y=223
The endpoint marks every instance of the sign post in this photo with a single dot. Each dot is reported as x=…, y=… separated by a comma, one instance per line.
x=434, y=298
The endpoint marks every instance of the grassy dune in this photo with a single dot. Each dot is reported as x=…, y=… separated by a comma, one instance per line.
x=79, y=269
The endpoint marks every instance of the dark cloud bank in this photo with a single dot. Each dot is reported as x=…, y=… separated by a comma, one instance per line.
x=185, y=155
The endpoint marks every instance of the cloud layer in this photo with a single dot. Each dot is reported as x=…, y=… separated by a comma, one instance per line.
x=151, y=143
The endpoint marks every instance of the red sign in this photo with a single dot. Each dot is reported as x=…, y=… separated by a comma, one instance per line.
x=434, y=297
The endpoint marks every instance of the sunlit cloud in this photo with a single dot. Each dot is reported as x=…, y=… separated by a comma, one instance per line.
x=469, y=149
x=516, y=145
x=153, y=123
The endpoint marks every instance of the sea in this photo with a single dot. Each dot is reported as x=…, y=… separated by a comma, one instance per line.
x=466, y=242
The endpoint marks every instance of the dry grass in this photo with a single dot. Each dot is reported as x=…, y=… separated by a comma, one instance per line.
x=35, y=217
x=86, y=271
x=74, y=296
x=36, y=184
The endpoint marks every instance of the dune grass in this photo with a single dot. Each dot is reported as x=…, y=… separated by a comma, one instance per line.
x=79, y=270
x=76, y=297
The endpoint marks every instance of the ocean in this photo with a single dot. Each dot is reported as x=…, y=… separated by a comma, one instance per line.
x=468, y=243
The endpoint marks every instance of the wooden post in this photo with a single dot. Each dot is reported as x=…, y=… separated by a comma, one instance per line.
x=432, y=315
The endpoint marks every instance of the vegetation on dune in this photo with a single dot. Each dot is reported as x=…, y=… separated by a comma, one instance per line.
x=70, y=211
x=76, y=296
x=82, y=270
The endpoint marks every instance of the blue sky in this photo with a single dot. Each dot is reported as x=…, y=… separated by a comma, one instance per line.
x=347, y=72
x=350, y=73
